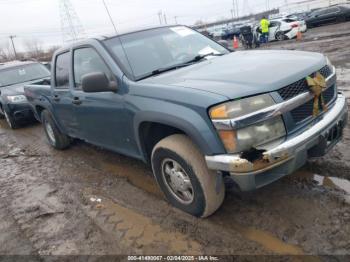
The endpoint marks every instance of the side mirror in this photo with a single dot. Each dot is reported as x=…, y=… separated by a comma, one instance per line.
x=97, y=82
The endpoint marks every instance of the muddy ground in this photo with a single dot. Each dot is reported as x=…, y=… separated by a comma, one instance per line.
x=86, y=200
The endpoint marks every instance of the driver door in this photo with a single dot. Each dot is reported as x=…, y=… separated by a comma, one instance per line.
x=100, y=115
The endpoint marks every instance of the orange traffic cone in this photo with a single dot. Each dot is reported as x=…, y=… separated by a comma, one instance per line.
x=299, y=36
x=235, y=43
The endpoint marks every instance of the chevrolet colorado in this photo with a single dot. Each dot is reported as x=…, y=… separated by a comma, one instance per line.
x=192, y=109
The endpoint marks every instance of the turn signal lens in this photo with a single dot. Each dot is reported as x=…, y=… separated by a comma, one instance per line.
x=219, y=112
x=228, y=138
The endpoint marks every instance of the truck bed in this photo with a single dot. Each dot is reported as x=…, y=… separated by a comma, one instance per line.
x=38, y=94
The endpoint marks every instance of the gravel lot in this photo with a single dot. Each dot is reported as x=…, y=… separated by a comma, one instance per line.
x=87, y=200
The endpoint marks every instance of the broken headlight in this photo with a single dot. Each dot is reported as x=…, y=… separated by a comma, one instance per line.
x=253, y=135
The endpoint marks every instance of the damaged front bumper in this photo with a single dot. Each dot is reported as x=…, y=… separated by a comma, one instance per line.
x=289, y=155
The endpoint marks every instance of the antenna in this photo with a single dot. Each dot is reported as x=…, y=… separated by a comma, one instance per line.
x=71, y=26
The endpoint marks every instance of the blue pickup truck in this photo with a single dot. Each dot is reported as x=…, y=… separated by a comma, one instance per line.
x=193, y=110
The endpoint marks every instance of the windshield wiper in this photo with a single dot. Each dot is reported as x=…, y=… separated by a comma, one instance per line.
x=200, y=57
x=166, y=69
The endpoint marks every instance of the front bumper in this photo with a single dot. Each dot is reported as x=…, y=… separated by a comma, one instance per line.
x=20, y=111
x=288, y=156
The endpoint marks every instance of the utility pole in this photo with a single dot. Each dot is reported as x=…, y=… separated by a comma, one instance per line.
x=237, y=8
x=175, y=18
x=71, y=26
x=165, y=21
x=160, y=16
x=13, y=45
x=110, y=17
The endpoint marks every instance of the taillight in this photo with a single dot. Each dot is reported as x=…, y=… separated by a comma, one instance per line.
x=295, y=25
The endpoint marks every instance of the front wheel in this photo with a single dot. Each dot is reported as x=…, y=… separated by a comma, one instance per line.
x=280, y=36
x=53, y=134
x=184, y=178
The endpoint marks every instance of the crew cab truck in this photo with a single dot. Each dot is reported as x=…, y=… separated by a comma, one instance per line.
x=192, y=109
x=13, y=76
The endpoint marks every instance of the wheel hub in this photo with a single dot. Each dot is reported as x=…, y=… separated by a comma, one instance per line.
x=177, y=181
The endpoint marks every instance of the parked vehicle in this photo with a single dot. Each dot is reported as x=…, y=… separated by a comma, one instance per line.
x=13, y=76
x=249, y=37
x=332, y=14
x=231, y=31
x=193, y=110
x=282, y=29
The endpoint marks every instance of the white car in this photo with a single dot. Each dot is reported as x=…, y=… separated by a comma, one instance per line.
x=285, y=28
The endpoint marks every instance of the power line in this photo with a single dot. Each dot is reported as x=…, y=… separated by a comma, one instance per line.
x=110, y=17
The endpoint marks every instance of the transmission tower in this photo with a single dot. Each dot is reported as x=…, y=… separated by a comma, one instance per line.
x=71, y=26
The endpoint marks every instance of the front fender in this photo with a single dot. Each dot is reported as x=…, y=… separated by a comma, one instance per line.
x=196, y=124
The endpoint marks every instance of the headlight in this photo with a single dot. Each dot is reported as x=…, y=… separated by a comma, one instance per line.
x=251, y=136
x=17, y=99
x=241, y=107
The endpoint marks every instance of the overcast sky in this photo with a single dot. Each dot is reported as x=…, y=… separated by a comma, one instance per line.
x=40, y=19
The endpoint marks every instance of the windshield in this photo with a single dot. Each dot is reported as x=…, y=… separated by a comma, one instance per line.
x=21, y=74
x=142, y=53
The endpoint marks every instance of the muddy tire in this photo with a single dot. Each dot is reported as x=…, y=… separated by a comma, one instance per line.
x=53, y=134
x=183, y=176
x=10, y=120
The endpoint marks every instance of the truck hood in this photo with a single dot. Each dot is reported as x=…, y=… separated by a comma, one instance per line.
x=244, y=73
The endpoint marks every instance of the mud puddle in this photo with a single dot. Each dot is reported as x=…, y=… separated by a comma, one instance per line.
x=136, y=231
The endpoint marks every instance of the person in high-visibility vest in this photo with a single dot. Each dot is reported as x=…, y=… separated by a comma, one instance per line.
x=264, y=24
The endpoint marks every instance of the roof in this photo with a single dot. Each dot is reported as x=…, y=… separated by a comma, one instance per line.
x=132, y=30
x=105, y=37
x=15, y=64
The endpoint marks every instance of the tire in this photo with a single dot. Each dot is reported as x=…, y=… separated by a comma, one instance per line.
x=207, y=187
x=53, y=134
x=10, y=120
x=280, y=36
x=2, y=116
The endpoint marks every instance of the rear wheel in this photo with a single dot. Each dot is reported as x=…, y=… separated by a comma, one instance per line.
x=53, y=134
x=10, y=120
x=183, y=176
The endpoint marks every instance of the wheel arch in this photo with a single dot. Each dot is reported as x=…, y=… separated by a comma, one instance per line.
x=160, y=125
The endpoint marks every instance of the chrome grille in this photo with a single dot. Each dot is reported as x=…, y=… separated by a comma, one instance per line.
x=301, y=86
x=304, y=111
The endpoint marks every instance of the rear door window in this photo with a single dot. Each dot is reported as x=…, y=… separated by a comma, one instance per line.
x=62, y=71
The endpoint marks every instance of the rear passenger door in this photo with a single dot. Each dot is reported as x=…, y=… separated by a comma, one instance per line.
x=100, y=115
x=62, y=98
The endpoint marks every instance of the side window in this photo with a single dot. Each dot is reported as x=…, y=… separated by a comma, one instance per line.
x=62, y=71
x=87, y=60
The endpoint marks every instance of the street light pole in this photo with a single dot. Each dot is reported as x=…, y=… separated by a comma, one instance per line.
x=13, y=45
x=110, y=17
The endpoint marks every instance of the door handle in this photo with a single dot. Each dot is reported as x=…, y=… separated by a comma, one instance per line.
x=76, y=101
x=56, y=98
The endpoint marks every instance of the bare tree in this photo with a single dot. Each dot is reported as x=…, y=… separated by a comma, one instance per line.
x=34, y=48
x=6, y=54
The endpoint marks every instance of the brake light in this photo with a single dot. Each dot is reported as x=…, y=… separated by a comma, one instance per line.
x=295, y=25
